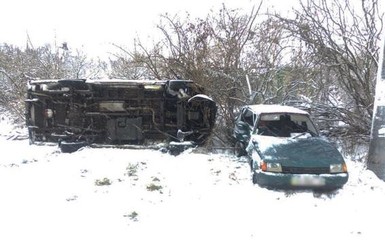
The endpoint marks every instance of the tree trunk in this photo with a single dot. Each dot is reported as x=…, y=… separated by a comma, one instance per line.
x=376, y=157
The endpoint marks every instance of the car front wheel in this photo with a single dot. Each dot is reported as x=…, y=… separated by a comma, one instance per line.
x=239, y=149
x=255, y=181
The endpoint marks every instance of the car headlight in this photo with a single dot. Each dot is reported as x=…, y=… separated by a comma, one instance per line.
x=338, y=168
x=270, y=167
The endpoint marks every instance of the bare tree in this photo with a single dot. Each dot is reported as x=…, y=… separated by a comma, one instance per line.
x=376, y=156
x=17, y=66
x=77, y=64
x=342, y=39
x=326, y=56
x=209, y=51
x=232, y=33
x=139, y=63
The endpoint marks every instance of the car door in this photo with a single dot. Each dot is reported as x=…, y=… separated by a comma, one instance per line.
x=244, y=125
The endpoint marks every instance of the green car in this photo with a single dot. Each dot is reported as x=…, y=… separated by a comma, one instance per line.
x=285, y=149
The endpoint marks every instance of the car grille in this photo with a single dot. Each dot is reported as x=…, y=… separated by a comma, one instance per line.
x=305, y=170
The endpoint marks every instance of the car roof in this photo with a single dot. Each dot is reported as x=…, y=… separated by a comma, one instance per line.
x=259, y=109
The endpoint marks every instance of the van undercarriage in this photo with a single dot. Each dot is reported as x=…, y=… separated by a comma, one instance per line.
x=118, y=111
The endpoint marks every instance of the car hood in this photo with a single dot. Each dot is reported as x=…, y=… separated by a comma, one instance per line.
x=297, y=152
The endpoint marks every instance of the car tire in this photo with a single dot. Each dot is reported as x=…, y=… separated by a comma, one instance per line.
x=251, y=165
x=239, y=149
x=69, y=147
x=255, y=180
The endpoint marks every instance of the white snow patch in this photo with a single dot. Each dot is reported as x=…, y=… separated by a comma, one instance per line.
x=124, y=196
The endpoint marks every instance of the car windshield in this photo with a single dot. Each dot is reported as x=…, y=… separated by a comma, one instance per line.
x=285, y=125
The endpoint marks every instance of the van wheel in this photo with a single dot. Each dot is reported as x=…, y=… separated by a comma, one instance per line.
x=31, y=136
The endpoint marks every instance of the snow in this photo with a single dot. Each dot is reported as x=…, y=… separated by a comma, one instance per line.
x=126, y=196
x=263, y=108
x=381, y=132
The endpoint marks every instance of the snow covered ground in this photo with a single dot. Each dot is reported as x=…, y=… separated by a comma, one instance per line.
x=122, y=196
